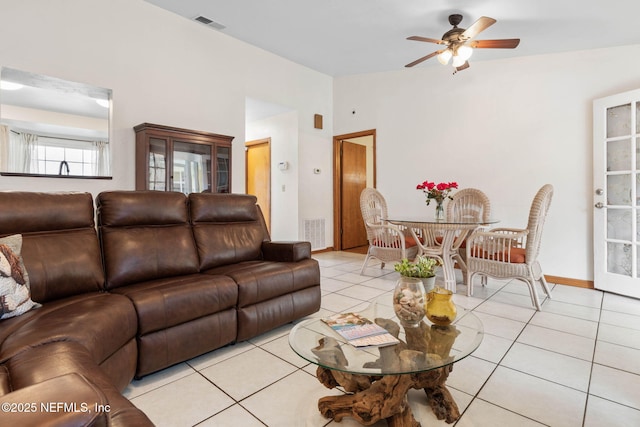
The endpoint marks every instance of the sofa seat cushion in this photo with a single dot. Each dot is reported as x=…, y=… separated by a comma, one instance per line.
x=52, y=410
x=52, y=360
x=102, y=323
x=263, y=280
x=163, y=303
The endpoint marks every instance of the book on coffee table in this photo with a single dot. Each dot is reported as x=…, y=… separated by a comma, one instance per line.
x=360, y=331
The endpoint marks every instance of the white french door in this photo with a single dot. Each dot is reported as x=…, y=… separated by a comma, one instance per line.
x=616, y=211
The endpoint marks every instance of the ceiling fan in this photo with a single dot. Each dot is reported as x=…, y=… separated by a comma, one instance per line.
x=460, y=43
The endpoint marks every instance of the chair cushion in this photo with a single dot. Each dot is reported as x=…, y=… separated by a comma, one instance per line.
x=15, y=293
x=462, y=245
x=518, y=255
x=408, y=240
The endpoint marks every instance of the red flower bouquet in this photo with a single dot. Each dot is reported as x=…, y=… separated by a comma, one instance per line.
x=439, y=192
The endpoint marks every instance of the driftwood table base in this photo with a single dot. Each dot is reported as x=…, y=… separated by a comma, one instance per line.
x=376, y=398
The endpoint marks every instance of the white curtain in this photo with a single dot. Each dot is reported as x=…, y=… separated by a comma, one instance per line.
x=101, y=158
x=4, y=148
x=23, y=153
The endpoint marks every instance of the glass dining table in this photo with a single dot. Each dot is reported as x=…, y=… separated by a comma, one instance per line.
x=442, y=239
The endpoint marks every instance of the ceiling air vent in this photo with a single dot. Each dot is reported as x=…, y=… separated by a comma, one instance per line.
x=206, y=21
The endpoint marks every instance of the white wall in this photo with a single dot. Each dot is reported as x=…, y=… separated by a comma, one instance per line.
x=283, y=131
x=506, y=127
x=163, y=69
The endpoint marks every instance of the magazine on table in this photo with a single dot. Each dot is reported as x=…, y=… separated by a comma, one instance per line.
x=360, y=331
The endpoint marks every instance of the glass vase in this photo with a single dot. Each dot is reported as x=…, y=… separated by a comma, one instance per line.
x=439, y=210
x=440, y=307
x=409, y=301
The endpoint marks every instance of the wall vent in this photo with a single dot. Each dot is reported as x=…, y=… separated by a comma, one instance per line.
x=209, y=22
x=314, y=233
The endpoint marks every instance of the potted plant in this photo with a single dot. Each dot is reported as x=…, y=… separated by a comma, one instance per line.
x=423, y=268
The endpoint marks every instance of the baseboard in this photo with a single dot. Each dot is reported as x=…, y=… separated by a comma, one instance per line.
x=569, y=281
x=579, y=283
x=319, y=251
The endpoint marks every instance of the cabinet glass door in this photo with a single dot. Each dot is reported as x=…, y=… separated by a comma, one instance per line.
x=157, y=164
x=222, y=169
x=191, y=167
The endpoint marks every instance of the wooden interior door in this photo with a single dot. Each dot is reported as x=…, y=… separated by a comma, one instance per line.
x=354, y=180
x=258, y=178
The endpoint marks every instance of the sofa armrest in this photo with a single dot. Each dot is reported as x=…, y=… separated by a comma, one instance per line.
x=286, y=251
x=61, y=401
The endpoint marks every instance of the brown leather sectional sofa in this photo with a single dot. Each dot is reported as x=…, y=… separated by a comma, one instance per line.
x=164, y=277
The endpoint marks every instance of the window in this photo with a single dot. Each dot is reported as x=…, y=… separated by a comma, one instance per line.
x=66, y=157
x=49, y=155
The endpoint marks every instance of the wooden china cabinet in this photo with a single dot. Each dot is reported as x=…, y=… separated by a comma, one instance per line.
x=183, y=160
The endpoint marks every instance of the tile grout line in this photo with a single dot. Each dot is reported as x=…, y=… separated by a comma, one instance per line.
x=498, y=364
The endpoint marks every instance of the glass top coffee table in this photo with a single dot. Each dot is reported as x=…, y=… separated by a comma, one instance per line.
x=377, y=379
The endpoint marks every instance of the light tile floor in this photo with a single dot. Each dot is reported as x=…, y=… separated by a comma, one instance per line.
x=575, y=363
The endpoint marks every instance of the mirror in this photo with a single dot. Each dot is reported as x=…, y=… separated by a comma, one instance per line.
x=53, y=127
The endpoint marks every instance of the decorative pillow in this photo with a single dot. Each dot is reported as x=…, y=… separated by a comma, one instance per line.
x=15, y=293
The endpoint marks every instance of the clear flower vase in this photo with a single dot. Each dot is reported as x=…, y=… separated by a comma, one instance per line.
x=439, y=210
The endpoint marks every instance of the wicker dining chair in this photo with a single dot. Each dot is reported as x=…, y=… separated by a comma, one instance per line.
x=510, y=253
x=468, y=204
x=387, y=242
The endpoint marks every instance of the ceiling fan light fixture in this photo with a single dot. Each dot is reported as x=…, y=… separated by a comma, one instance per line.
x=444, y=56
x=458, y=61
x=460, y=43
x=464, y=52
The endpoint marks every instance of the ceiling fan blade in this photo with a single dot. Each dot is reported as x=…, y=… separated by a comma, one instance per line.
x=425, y=39
x=495, y=44
x=477, y=27
x=424, y=58
x=463, y=66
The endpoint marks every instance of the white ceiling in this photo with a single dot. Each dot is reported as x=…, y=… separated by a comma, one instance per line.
x=343, y=37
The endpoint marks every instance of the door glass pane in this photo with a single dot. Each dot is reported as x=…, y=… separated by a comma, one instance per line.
x=619, y=121
x=191, y=167
x=157, y=164
x=619, y=189
x=222, y=170
x=637, y=117
x=619, y=155
x=619, y=258
x=619, y=224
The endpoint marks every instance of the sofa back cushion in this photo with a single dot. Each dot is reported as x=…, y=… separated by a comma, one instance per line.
x=228, y=228
x=60, y=247
x=145, y=235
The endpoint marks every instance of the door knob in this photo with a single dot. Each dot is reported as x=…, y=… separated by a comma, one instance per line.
x=599, y=191
x=599, y=205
